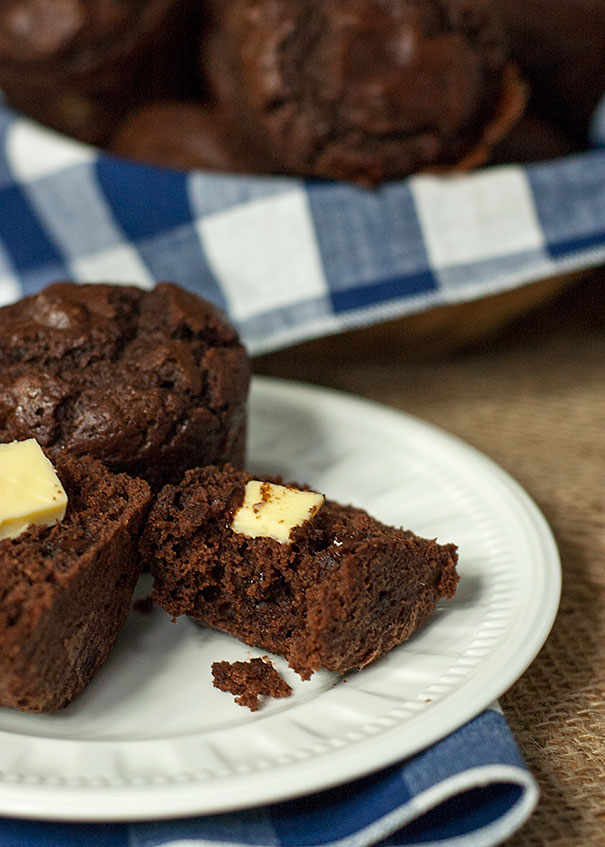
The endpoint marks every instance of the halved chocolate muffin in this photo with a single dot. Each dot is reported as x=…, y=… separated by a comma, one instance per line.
x=340, y=591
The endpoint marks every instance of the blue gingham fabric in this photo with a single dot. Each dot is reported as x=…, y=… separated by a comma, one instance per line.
x=289, y=259
x=469, y=790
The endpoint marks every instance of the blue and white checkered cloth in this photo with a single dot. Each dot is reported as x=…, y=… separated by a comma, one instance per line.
x=290, y=260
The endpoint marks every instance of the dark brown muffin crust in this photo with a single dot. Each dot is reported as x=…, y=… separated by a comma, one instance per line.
x=346, y=591
x=366, y=90
x=149, y=382
x=65, y=590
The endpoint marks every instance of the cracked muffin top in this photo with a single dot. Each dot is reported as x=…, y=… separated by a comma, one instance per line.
x=148, y=382
x=366, y=90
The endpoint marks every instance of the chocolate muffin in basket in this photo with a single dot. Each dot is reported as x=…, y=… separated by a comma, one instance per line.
x=281, y=568
x=189, y=135
x=149, y=382
x=66, y=589
x=368, y=90
x=78, y=65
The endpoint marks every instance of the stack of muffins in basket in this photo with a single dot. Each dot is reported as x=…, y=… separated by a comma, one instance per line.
x=136, y=402
x=365, y=91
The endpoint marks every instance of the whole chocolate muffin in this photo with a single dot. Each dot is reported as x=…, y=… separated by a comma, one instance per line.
x=149, y=382
x=366, y=90
x=65, y=590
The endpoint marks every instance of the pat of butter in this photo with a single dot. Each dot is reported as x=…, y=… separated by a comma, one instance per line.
x=30, y=490
x=273, y=511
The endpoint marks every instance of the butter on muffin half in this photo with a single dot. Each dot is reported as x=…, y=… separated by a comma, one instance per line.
x=285, y=569
x=65, y=588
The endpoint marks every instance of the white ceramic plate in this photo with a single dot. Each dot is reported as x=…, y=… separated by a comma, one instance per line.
x=151, y=737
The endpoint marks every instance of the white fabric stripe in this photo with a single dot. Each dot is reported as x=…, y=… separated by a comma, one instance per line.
x=274, y=338
x=93, y=246
x=58, y=177
x=121, y=265
x=477, y=216
x=264, y=254
x=10, y=290
x=34, y=152
x=59, y=202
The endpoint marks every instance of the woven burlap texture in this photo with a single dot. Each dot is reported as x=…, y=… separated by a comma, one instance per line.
x=534, y=401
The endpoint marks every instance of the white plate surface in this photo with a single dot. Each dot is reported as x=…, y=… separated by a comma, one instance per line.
x=151, y=737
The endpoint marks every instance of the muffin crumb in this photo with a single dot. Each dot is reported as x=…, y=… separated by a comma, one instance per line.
x=249, y=680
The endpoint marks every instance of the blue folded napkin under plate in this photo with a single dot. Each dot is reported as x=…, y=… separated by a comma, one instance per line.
x=290, y=259
x=470, y=790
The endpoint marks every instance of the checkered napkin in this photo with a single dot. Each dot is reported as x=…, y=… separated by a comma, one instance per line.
x=289, y=259
x=470, y=790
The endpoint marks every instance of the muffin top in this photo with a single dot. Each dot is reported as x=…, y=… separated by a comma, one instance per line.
x=132, y=377
x=366, y=90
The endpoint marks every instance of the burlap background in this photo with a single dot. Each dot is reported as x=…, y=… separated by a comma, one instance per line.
x=534, y=400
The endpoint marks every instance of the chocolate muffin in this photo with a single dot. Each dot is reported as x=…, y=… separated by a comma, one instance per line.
x=148, y=382
x=342, y=592
x=65, y=590
x=367, y=91
x=78, y=65
x=188, y=135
